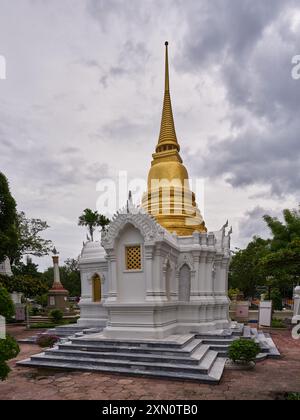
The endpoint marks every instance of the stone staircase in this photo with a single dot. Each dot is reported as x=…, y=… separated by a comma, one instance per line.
x=181, y=357
x=193, y=357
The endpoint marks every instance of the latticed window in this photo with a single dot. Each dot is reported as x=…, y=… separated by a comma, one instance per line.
x=133, y=257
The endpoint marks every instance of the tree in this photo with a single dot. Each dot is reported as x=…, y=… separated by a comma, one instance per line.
x=8, y=221
x=9, y=349
x=276, y=298
x=245, y=273
x=71, y=265
x=284, y=233
x=30, y=241
x=103, y=222
x=273, y=263
x=29, y=286
x=283, y=260
x=92, y=219
x=7, y=308
x=27, y=269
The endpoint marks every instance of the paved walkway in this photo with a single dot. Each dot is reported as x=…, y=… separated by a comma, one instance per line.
x=267, y=381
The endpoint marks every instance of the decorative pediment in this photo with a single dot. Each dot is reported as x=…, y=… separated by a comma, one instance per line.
x=92, y=275
x=145, y=223
x=185, y=259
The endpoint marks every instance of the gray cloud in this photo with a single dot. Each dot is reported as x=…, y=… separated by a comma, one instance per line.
x=253, y=44
x=252, y=223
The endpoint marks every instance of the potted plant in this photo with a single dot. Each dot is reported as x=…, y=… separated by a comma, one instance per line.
x=243, y=352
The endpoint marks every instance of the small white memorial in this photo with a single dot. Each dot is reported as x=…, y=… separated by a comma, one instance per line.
x=265, y=313
x=296, y=317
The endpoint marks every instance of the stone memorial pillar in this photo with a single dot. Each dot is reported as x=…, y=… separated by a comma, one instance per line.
x=57, y=295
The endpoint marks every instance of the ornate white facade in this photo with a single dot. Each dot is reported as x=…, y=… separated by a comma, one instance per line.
x=180, y=286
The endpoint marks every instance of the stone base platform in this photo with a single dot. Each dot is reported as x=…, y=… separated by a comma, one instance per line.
x=199, y=358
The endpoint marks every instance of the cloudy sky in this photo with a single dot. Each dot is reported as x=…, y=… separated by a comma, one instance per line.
x=83, y=96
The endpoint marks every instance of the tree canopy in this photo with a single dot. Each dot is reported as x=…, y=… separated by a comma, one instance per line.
x=30, y=240
x=92, y=219
x=245, y=272
x=274, y=263
x=8, y=221
x=7, y=308
x=28, y=285
x=284, y=259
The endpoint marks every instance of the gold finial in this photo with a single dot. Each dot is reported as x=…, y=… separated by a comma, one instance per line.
x=167, y=135
x=167, y=84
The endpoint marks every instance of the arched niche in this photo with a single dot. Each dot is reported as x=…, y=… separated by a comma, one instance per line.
x=184, y=283
x=96, y=288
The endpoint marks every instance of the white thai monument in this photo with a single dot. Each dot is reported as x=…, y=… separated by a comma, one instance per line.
x=94, y=285
x=154, y=291
x=158, y=271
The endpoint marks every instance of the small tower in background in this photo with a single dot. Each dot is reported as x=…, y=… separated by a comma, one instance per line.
x=57, y=295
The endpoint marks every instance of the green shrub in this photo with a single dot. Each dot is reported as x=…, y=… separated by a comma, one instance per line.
x=34, y=311
x=42, y=300
x=7, y=308
x=4, y=371
x=277, y=323
x=9, y=349
x=56, y=315
x=47, y=340
x=276, y=299
x=233, y=293
x=243, y=350
x=293, y=396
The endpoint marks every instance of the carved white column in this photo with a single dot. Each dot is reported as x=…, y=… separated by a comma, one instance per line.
x=149, y=249
x=195, y=277
x=224, y=276
x=208, y=274
x=202, y=273
x=219, y=277
x=112, y=275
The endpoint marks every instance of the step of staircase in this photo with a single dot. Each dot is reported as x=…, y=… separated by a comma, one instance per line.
x=217, y=341
x=144, y=347
x=194, y=359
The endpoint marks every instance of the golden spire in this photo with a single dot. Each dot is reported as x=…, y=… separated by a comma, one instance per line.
x=167, y=135
x=169, y=198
